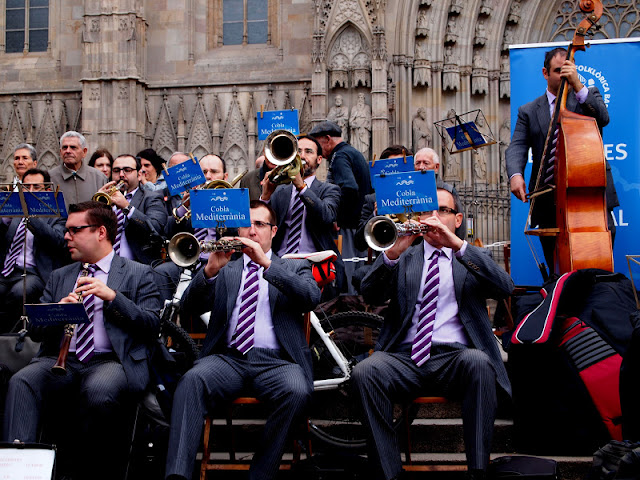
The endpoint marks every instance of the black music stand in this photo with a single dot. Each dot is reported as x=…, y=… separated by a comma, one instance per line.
x=17, y=201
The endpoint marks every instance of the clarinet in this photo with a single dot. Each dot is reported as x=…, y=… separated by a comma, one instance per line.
x=60, y=368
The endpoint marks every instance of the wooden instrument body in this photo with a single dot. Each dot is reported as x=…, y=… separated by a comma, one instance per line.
x=583, y=239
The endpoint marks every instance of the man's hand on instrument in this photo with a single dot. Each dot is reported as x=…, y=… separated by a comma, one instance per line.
x=518, y=187
x=95, y=286
x=254, y=251
x=73, y=297
x=402, y=243
x=440, y=235
x=216, y=261
x=570, y=72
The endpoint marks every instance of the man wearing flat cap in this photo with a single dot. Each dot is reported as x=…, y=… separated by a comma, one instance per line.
x=349, y=170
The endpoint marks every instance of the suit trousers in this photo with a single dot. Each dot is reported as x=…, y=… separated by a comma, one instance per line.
x=453, y=370
x=219, y=378
x=11, y=289
x=87, y=402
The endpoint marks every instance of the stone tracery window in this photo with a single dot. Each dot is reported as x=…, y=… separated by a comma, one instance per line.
x=621, y=19
x=26, y=26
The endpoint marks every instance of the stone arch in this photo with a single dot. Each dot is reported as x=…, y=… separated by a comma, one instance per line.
x=349, y=55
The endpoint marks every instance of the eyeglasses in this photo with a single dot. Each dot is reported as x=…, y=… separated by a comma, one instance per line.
x=124, y=169
x=73, y=230
x=447, y=211
x=260, y=225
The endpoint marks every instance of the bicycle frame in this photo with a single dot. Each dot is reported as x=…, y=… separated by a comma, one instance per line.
x=336, y=354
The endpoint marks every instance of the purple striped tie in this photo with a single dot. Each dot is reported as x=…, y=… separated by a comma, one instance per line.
x=84, y=333
x=243, y=337
x=295, y=225
x=200, y=234
x=120, y=216
x=17, y=246
x=421, y=348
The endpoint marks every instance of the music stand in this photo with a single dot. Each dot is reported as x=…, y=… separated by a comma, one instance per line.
x=467, y=131
x=20, y=202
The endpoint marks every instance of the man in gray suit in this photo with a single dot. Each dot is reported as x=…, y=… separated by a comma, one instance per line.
x=141, y=213
x=306, y=210
x=531, y=131
x=255, y=342
x=436, y=338
x=110, y=361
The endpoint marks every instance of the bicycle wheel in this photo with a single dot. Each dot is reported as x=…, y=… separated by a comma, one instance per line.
x=180, y=343
x=333, y=418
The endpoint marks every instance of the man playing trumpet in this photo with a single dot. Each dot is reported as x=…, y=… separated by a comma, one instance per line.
x=108, y=365
x=436, y=336
x=140, y=213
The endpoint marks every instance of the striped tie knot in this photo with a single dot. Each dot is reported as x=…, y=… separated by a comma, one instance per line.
x=421, y=347
x=295, y=225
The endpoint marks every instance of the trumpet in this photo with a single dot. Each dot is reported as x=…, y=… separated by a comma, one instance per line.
x=185, y=249
x=381, y=233
x=281, y=149
x=105, y=197
x=184, y=206
x=60, y=368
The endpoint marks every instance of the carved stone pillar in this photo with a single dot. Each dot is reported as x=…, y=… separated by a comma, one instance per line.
x=379, y=92
x=113, y=77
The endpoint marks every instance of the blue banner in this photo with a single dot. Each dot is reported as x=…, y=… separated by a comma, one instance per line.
x=183, y=176
x=45, y=314
x=599, y=66
x=391, y=166
x=406, y=192
x=10, y=205
x=45, y=204
x=465, y=136
x=277, y=120
x=218, y=207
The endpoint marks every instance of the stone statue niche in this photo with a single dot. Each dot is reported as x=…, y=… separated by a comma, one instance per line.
x=339, y=114
x=420, y=128
x=360, y=126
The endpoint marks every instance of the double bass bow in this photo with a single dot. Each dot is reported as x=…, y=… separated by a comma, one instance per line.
x=573, y=170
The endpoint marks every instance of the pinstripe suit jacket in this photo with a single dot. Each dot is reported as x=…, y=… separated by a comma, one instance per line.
x=476, y=277
x=292, y=291
x=321, y=201
x=131, y=319
x=147, y=222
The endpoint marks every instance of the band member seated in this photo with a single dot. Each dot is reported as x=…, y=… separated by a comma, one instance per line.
x=436, y=338
x=108, y=357
x=306, y=210
x=255, y=344
x=141, y=213
x=45, y=252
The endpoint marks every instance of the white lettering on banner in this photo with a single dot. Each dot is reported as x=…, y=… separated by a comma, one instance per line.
x=220, y=218
x=619, y=220
x=620, y=148
x=403, y=202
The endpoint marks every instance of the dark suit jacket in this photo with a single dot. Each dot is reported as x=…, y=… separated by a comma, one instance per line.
x=131, y=319
x=476, y=277
x=349, y=170
x=145, y=225
x=48, y=243
x=252, y=181
x=531, y=132
x=292, y=291
x=321, y=202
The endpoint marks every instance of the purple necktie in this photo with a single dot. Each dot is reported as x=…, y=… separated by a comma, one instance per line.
x=243, y=337
x=200, y=234
x=295, y=225
x=120, y=217
x=16, y=249
x=421, y=348
x=84, y=332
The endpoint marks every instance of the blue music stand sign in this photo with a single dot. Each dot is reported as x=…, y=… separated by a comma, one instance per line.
x=391, y=166
x=277, y=120
x=47, y=314
x=220, y=207
x=406, y=193
x=183, y=176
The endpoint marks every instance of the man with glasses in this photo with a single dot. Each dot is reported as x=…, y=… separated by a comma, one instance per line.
x=76, y=179
x=141, y=213
x=255, y=344
x=436, y=337
x=108, y=358
x=44, y=252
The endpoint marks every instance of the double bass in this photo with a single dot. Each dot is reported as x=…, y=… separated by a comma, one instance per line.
x=573, y=170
